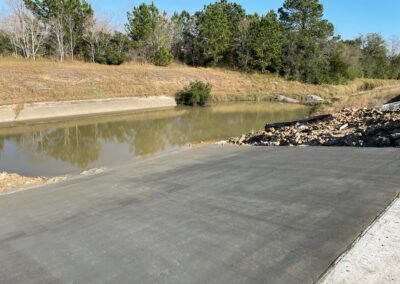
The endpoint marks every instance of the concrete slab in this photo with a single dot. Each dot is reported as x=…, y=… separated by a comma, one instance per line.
x=208, y=215
x=55, y=110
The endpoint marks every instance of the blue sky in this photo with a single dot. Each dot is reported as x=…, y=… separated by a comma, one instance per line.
x=350, y=17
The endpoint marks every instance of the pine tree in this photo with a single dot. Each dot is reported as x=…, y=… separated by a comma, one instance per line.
x=214, y=32
x=307, y=33
x=142, y=22
x=267, y=41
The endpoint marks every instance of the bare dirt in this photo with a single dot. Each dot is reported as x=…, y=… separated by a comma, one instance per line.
x=13, y=182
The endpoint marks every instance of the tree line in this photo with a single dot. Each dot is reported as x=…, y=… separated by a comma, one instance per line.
x=296, y=41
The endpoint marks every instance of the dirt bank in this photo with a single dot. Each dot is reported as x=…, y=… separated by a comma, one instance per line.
x=350, y=127
x=24, y=81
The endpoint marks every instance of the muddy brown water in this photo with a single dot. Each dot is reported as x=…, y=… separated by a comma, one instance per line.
x=68, y=147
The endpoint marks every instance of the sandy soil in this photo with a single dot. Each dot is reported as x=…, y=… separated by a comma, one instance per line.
x=13, y=182
x=375, y=257
x=10, y=182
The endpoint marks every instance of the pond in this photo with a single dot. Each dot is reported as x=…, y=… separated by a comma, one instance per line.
x=68, y=147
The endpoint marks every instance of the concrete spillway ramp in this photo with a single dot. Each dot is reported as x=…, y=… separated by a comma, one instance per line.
x=208, y=215
x=57, y=110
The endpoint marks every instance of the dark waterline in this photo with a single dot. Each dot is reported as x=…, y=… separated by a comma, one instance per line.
x=72, y=146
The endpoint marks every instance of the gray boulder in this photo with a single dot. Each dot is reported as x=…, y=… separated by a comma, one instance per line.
x=390, y=107
x=313, y=100
x=284, y=99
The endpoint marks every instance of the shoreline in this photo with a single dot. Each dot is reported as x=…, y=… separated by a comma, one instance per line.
x=349, y=128
x=11, y=183
x=46, y=111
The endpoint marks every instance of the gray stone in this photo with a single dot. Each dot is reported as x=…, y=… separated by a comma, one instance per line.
x=395, y=135
x=313, y=100
x=390, y=107
x=380, y=141
x=302, y=127
x=284, y=99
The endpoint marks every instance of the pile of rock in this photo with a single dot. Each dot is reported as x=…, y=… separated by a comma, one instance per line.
x=310, y=100
x=350, y=127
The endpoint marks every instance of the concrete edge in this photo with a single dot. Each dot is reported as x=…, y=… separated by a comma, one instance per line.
x=11, y=114
x=324, y=275
x=76, y=177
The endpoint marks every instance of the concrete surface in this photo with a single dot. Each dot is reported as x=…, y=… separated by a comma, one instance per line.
x=375, y=257
x=56, y=110
x=208, y=215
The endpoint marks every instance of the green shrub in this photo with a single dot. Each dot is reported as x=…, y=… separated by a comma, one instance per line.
x=197, y=93
x=115, y=57
x=5, y=44
x=101, y=59
x=162, y=57
x=111, y=58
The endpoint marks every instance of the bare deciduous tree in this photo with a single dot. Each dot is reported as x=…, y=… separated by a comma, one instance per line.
x=59, y=32
x=26, y=32
x=97, y=34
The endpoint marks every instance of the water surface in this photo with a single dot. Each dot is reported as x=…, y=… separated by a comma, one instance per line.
x=68, y=147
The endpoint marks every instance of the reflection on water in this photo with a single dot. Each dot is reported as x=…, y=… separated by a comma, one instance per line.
x=53, y=149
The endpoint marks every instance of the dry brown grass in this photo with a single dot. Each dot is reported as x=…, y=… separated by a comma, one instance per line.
x=23, y=81
x=371, y=98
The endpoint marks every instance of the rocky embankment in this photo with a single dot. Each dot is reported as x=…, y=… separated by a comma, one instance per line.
x=350, y=127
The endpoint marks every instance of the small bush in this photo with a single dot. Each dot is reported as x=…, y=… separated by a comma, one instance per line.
x=367, y=86
x=115, y=57
x=101, y=59
x=111, y=58
x=197, y=93
x=162, y=57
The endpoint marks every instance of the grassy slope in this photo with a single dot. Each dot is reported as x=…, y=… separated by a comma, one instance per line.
x=24, y=81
